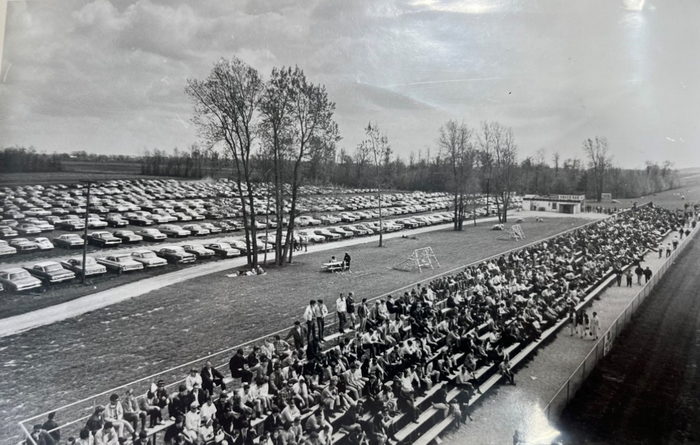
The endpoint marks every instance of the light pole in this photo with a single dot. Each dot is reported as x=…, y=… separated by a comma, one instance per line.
x=85, y=238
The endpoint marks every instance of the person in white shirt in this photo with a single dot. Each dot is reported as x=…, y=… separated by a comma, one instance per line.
x=310, y=319
x=320, y=311
x=114, y=413
x=341, y=309
x=192, y=423
x=192, y=378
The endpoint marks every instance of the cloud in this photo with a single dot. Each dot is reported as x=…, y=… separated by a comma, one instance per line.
x=108, y=75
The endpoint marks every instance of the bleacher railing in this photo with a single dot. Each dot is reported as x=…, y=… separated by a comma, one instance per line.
x=81, y=410
x=601, y=348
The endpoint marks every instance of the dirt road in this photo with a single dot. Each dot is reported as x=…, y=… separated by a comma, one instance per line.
x=645, y=391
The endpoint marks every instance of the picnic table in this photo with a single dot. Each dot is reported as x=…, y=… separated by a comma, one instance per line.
x=333, y=266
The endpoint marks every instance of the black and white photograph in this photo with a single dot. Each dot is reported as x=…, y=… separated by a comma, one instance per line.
x=349, y=222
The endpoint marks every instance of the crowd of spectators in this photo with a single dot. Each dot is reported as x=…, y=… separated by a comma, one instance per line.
x=300, y=388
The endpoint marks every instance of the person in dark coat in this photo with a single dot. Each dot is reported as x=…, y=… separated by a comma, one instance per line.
x=298, y=335
x=51, y=426
x=211, y=377
x=346, y=260
x=40, y=437
x=239, y=367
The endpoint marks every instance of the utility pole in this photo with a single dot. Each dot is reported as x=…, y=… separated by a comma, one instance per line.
x=85, y=238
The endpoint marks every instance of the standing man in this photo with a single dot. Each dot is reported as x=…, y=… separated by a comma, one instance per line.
x=350, y=305
x=297, y=335
x=363, y=313
x=628, y=277
x=639, y=272
x=618, y=274
x=341, y=309
x=346, y=260
x=594, y=326
x=320, y=311
x=310, y=318
x=647, y=274
x=52, y=427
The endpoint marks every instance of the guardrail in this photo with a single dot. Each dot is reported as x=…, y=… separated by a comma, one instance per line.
x=568, y=390
x=81, y=410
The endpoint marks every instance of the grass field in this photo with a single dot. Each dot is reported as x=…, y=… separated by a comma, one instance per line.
x=66, y=361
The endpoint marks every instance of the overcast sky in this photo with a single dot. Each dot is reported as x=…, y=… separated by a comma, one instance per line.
x=108, y=76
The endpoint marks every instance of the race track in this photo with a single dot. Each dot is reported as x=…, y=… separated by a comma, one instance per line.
x=646, y=390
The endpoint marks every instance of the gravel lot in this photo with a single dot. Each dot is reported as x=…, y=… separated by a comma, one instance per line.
x=62, y=362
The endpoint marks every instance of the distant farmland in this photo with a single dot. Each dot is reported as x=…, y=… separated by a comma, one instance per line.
x=74, y=171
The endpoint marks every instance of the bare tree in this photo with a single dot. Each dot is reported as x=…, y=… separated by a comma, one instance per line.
x=500, y=152
x=276, y=121
x=225, y=112
x=599, y=161
x=376, y=147
x=457, y=144
x=312, y=127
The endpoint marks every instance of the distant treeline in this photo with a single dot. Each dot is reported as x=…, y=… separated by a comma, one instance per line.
x=20, y=160
x=420, y=172
x=428, y=173
x=193, y=163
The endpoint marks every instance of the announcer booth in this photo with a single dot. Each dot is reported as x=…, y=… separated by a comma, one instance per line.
x=555, y=203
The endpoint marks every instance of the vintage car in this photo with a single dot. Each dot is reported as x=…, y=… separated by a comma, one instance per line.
x=43, y=243
x=6, y=249
x=92, y=267
x=7, y=232
x=223, y=249
x=198, y=250
x=128, y=236
x=177, y=255
x=68, y=240
x=18, y=279
x=103, y=239
x=23, y=244
x=148, y=258
x=174, y=231
x=51, y=272
x=116, y=220
x=196, y=229
x=152, y=234
x=120, y=263
x=70, y=224
x=28, y=229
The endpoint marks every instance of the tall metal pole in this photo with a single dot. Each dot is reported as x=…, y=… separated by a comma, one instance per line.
x=85, y=238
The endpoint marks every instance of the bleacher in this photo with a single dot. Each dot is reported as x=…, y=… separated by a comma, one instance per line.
x=430, y=424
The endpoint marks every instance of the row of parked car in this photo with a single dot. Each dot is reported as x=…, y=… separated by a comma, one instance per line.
x=51, y=272
x=44, y=273
x=29, y=210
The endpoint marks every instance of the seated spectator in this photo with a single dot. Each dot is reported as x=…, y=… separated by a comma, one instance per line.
x=211, y=377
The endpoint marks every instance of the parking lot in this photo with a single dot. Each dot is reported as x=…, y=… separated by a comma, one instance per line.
x=148, y=226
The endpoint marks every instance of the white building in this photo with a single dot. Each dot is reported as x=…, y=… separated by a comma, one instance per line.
x=554, y=203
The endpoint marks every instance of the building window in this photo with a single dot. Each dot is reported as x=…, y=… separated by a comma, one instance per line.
x=554, y=206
